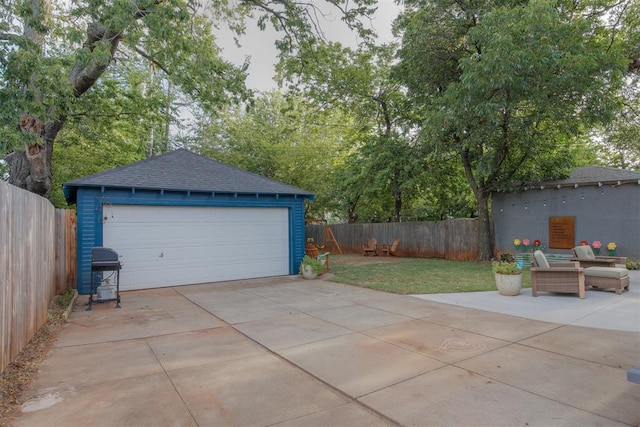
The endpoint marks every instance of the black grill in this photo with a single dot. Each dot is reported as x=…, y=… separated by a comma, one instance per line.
x=104, y=259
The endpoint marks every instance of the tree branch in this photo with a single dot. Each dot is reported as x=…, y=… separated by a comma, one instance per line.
x=151, y=59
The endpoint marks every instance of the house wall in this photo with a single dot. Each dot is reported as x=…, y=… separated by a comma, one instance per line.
x=610, y=213
x=92, y=202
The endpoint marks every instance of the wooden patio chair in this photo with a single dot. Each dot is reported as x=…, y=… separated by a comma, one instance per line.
x=390, y=249
x=561, y=277
x=584, y=254
x=371, y=248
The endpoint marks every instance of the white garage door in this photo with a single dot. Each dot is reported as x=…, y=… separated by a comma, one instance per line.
x=168, y=246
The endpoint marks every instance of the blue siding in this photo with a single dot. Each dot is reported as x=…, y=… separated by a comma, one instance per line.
x=90, y=202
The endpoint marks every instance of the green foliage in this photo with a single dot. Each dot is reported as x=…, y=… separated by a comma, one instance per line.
x=284, y=139
x=505, y=267
x=633, y=265
x=507, y=87
x=314, y=263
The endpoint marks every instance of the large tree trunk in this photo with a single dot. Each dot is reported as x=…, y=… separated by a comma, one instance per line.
x=32, y=169
x=485, y=238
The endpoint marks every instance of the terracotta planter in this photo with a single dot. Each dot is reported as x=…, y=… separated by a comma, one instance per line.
x=509, y=284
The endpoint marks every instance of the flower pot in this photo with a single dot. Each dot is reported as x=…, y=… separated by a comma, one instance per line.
x=509, y=284
x=612, y=253
x=308, y=273
x=596, y=251
x=518, y=247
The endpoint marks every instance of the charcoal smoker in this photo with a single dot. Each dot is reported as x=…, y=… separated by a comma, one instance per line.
x=104, y=259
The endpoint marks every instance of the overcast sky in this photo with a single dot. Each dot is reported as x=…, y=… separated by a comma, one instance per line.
x=259, y=45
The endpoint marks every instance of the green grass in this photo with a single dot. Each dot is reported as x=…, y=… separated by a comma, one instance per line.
x=420, y=276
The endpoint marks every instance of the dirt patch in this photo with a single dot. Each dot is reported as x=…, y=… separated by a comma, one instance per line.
x=18, y=375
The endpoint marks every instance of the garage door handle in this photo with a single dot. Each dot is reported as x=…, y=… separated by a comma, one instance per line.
x=161, y=255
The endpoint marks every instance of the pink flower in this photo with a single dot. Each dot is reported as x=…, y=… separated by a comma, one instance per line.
x=526, y=242
x=596, y=244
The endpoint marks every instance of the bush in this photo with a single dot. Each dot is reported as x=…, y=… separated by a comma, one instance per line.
x=505, y=267
x=315, y=264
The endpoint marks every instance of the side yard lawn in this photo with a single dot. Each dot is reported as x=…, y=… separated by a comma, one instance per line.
x=415, y=275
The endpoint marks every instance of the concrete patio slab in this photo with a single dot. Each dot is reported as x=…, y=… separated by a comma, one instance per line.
x=149, y=400
x=358, y=365
x=574, y=382
x=285, y=351
x=254, y=391
x=358, y=317
x=195, y=348
x=96, y=364
x=600, y=309
x=112, y=324
x=604, y=346
x=351, y=414
x=456, y=397
x=289, y=331
x=239, y=307
x=499, y=326
x=443, y=343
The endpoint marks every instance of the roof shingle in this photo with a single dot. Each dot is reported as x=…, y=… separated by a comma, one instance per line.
x=182, y=170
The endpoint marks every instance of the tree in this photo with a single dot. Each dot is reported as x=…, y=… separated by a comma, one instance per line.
x=507, y=86
x=281, y=138
x=54, y=54
x=387, y=165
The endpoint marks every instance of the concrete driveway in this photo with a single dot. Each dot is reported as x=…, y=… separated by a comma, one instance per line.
x=289, y=352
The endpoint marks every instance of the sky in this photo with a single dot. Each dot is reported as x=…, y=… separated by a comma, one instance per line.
x=259, y=46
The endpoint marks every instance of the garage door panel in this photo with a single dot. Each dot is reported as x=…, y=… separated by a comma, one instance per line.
x=167, y=246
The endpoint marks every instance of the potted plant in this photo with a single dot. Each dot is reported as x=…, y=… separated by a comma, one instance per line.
x=596, y=245
x=611, y=247
x=310, y=267
x=508, y=275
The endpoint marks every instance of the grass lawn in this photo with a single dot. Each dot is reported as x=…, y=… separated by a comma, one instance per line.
x=415, y=275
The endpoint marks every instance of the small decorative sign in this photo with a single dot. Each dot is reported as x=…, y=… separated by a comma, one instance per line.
x=562, y=232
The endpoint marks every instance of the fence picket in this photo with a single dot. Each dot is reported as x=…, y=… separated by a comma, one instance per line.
x=36, y=246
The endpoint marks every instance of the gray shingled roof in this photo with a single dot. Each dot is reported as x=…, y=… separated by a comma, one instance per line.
x=182, y=170
x=597, y=174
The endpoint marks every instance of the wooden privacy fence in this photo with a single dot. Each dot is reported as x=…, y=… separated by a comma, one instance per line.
x=455, y=239
x=37, y=260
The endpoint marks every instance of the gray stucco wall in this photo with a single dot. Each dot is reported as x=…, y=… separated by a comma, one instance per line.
x=610, y=213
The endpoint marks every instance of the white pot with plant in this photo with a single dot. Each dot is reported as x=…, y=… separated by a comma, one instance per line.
x=508, y=275
x=310, y=267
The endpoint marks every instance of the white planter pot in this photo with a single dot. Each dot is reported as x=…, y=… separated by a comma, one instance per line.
x=509, y=284
x=308, y=273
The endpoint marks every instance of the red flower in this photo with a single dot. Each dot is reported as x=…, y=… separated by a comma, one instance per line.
x=536, y=242
x=584, y=243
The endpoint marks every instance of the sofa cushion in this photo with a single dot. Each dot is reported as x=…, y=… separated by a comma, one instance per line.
x=541, y=260
x=606, y=272
x=584, y=252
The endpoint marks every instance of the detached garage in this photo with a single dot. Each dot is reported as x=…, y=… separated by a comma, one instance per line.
x=181, y=218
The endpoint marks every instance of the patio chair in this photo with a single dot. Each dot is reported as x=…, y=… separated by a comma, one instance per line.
x=587, y=258
x=560, y=277
x=390, y=249
x=371, y=248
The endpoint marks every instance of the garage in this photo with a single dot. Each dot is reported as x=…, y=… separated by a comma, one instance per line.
x=169, y=246
x=182, y=218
